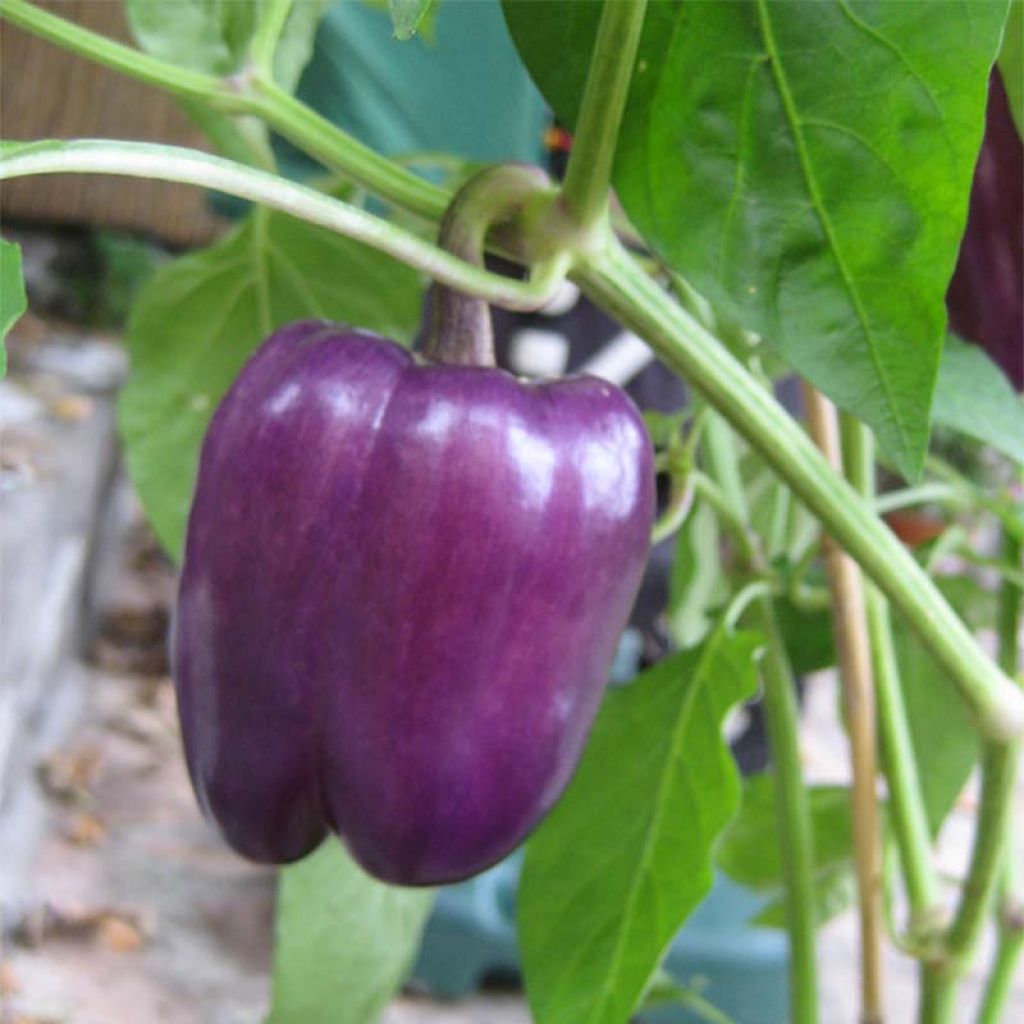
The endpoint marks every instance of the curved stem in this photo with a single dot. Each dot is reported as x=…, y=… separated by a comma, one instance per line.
x=1011, y=896
x=854, y=650
x=273, y=18
x=924, y=494
x=613, y=280
x=172, y=163
x=998, y=774
x=462, y=332
x=796, y=844
x=589, y=171
x=339, y=151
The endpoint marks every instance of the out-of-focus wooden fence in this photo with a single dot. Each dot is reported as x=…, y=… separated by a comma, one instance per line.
x=47, y=93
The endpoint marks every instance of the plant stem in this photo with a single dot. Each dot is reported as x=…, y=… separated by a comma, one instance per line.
x=1011, y=896
x=273, y=18
x=923, y=494
x=256, y=95
x=1000, y=982
x=615, y=282
x=906, y=796
x=339, y=151
x=172, y=163
x=906, y=799
x=854, y=649
x=462, y=332
x=938, y=998
x=998, y=774
x=589, y=171
x=796, y=842
x=795, y=834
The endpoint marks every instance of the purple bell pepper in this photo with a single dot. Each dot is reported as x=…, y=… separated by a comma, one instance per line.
x=986, y=296
x=403, y=587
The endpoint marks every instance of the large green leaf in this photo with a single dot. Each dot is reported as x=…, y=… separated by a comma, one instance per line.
x=12, y=294
x=749, y=850
x=807, y=167
x=1011, y=62
x=943, y=738
x=215, y=36
x=974, y=397
x=626, y=855
x=344, y=941
x=199, y=318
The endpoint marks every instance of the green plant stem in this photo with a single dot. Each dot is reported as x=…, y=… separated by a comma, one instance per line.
x=938, y=999
x=1011, y=890
x=796, y=844
x=339, y=151
x=588, y=175
x=273, y=18
x=1000, y=982
x=906, y=800
x=906, y=796
x=1007, y=512
x=795, y=835
x=614, y=281
x=254, y=95
x=172, y=163
x=998, y=772
x=735, y=525
x=929, y=493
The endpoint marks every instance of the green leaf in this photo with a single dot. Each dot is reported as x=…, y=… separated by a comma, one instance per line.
x=943, y=738
x=213, y=36
x=199, y=318
x=406, y=16
x=697, y=585
x=295, y=47
x=204, y=35
x=974, y=397
x=344, y=941
x=808, y=636
x=12, y=294
x=749, y=850
x=625, y=856
x=664, y=990
x=806, y=166
x=1011, y=62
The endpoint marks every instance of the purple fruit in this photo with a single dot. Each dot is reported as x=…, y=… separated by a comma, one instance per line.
x=986, y=296
x=403, y=587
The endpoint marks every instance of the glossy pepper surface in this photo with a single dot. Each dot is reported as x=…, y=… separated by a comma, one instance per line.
x=403, y=586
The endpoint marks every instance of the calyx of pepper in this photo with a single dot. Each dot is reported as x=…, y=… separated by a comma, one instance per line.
x=461, y=331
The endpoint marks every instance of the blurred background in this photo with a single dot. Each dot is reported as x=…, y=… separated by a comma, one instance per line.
x=117, y=901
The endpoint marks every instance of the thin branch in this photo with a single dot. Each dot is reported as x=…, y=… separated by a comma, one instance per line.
x=588, y=174
x=853, y=646
x=612, y=278
x=795, y=836
x=172, y=163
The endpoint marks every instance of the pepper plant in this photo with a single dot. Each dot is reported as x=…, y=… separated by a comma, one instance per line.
x=792, y=185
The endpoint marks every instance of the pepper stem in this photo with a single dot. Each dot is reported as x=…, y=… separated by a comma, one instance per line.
x=461, y=332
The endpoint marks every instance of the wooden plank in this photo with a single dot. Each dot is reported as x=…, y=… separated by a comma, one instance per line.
x=46, y=92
